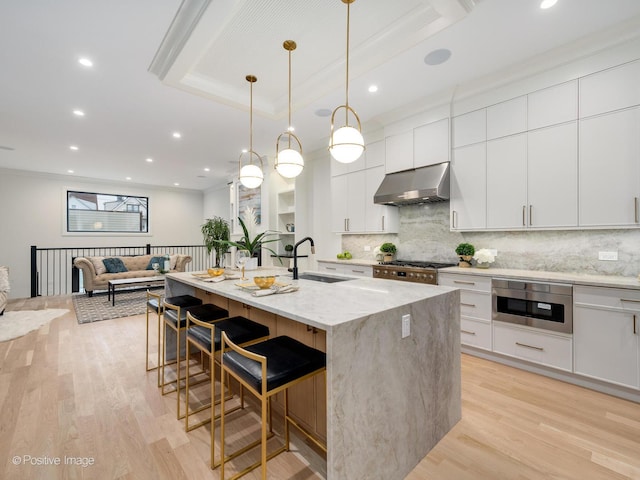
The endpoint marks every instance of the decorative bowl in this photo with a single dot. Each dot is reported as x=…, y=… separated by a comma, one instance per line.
x=264, y=282
x=215, y=272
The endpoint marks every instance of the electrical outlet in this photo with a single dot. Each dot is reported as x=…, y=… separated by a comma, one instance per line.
x=367, y=248
x=608, y=256
x=406, y=325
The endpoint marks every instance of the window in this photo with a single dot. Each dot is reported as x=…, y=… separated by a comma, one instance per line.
x=101, y=212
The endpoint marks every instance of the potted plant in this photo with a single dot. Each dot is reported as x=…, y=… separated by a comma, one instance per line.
x=253, y=244
x=465, y=251
x=289, y=249
x=215, y=232
x=389, y=250
x=484, y=257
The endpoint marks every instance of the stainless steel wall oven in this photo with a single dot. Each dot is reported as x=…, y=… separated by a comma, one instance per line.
x=535, y=304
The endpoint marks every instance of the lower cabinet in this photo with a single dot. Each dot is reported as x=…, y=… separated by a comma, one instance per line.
x=534, y=345
x=346, y=269
x=606, y=327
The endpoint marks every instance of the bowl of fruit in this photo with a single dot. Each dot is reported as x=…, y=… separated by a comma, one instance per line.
x=215, y=272
x=264, y=282
x=344, y=256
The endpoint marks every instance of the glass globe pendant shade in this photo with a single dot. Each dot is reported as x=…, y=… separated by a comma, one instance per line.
x=289, y=163
x=251, y=176
x=347, y=145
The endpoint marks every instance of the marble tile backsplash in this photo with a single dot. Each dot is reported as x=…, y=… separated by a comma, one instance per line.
x=424, y=235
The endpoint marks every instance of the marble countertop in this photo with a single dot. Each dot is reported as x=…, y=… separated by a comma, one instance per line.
x=319, y=304
x=566, y=277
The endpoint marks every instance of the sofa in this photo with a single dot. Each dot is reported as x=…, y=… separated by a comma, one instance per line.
x=96, y=273
x=4, y=288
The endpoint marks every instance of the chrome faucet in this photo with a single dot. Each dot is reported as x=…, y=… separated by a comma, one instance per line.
x=295, y=255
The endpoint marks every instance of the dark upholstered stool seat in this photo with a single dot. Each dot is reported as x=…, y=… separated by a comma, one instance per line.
x=206, y=313
x=239, y=329
x=287, y=360
x=154, y=305
x=183, y=301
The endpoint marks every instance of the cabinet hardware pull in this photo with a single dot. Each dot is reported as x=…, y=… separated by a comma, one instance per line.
x=331, y=268
x=357, y=271
x=629, y=300
x=524, y=212
x=468, y=332
x=454, y=219
x=468, y=304
x=462, y=282
x=530, y=214
x=635, y=327
x=635, y=206
x=529, y=346
x=348, y=226
x=382, y=222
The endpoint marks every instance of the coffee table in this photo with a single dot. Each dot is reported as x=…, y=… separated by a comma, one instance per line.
x=149, y=281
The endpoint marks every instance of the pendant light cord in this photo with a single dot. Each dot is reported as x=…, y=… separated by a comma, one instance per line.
x=289, y=127
x=347, y=69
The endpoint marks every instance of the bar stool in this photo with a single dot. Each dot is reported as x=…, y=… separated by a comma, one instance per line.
x=265, y=369
x=177, y=303
x=206, y=337
x=154, y=304
x=176, y=318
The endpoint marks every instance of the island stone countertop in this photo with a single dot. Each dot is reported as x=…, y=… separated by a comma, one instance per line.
x=391, y=392
x=545, y=276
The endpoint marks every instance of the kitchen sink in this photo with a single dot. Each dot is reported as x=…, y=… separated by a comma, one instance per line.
x=316, y=277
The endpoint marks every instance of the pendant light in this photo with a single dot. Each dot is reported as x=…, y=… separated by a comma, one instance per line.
x=346, y=143
x=251, y=175
x=289, y=162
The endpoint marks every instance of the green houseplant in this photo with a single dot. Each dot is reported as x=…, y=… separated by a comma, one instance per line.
x=389, y=250
x=255, y=244
x=465, y=251
x=215, y=232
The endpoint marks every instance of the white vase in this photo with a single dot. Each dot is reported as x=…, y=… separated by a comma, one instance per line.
x=251, y=264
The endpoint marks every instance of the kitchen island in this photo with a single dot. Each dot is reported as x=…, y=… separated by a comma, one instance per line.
x=389, y=399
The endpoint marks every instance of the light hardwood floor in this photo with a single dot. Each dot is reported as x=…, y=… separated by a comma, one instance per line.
x=81, y=391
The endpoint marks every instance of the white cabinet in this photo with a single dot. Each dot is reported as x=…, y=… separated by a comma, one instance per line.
x=348, y=202
x=345, y=269
x=468, y=179
x=431, y=143
x=475, y=307
x=534, y=345
x=553, y=105
x=507, y=118
x=609, y=169
x=470, y=128
x=609, y=90
x=399, y=152
x=378, y=218
x=352, y=207
x=507, y=182
x=338, y=168
x=605, y=332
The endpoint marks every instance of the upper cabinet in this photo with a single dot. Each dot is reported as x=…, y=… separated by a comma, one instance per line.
x=507, y=118
x=424, y=145
x=609, y=90
x=610, y=169
x=352, y=207
x=553, y=105
x=468, y=205
x=431, y=143
x=470, y=128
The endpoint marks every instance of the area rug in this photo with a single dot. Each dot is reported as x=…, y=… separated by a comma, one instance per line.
x=98, y=307
x=17, y=324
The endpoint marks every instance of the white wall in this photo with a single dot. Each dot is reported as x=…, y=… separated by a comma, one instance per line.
x=32, y=213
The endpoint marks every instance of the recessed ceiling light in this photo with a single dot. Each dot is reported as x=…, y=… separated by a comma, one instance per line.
x=85, y=62
x=373, y=88
x=69, y=171
x=244, y=150
x=436, y=57
x=78, y=113
x=176, y=184
x=149, y=160
x=74, y=148
x=291, y=128
x=207, y=169
x=128, y=178
x=177, y=135
x=547, y=4
x=323, y=112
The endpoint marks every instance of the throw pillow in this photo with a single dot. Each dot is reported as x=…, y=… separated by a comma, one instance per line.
x=4, y=279
x=173, y=259
x=98, y=265
x=158, y=260
x=114, y=265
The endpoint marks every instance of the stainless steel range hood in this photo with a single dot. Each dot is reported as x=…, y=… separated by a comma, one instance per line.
x=420, y=185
